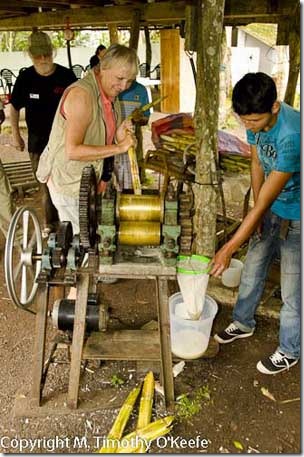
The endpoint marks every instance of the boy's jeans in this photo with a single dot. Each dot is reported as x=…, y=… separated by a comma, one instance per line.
x=260, y=254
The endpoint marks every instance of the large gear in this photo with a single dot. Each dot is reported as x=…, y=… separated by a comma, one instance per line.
x=87, y=207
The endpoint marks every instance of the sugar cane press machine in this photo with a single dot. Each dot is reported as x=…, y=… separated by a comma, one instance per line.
x=113, y=228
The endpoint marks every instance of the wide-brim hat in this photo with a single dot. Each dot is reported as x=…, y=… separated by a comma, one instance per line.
x=40, y=44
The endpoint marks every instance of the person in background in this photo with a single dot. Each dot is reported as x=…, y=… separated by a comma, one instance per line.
x=130, y=100
x=2, y=114
x=7, y=206
x=38, y=89
x=273, y=132
x=87, y=129
x=95, y=59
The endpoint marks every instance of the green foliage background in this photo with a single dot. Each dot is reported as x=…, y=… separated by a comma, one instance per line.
x=17, y=41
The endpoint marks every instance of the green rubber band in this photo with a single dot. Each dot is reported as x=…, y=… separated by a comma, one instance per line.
x=200, y=258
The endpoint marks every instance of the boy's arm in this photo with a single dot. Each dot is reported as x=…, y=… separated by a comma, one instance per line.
x=269, y=191
x=257, y=173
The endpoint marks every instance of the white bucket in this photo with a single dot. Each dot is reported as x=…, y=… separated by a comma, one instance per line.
x=190, y=338
x=231, y=277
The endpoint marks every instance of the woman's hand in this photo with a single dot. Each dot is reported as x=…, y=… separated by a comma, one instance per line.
x=127, y=141
x=121, y=131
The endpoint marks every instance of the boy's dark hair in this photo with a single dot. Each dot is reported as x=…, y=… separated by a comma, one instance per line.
x=254, y=93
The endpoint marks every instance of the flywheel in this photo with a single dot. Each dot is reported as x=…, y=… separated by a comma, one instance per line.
x=22, y=258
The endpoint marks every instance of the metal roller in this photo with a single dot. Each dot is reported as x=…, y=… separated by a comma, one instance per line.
x=148, y=208
x=139, y=233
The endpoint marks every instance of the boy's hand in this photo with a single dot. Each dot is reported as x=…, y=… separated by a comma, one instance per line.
x=220, y=261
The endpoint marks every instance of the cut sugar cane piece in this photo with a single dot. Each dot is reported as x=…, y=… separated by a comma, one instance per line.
x=146, y=401
x=120, y=422
x=134, y=171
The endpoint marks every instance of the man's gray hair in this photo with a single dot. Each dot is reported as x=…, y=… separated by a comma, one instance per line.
x=121, y=54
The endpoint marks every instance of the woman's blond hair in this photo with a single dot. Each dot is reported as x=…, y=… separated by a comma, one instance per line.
x=123, y=55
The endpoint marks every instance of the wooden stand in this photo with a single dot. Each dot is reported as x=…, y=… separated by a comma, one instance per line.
x=126, y=345
x=151, y=346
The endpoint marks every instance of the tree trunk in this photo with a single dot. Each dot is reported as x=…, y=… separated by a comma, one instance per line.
x=210, y=24
x=222, y=88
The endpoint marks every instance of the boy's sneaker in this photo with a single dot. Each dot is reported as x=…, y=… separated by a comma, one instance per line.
x=276, y=363
x=231, y=333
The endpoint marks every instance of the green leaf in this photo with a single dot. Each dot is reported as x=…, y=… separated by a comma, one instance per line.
x=116, y=381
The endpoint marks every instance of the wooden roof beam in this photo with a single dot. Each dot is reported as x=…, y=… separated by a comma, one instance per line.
x=243, y=8
x=237, y=12
x=120, y=15
x=260, y=19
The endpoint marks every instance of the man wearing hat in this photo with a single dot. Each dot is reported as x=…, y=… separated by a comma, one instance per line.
x=38, y=89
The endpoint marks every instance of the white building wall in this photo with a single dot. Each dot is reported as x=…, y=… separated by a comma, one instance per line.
x=243, y=60
x=268, y=54
x=80, y=55
x=252, y=55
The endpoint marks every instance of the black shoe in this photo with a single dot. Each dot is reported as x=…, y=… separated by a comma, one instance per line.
x=231, y=333
x=276, y=363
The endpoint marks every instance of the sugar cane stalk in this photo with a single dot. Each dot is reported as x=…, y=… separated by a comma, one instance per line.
x=146, y=401
x=134, y=171
x=120, y=422
x=133, y=442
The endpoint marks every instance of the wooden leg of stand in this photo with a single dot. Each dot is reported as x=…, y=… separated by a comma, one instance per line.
x=58, y=293
x=165, y=342
x=39, y=348
x=78, y=338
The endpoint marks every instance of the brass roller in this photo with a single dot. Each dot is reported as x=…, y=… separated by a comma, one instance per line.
x=148, y=208
x=139, y=233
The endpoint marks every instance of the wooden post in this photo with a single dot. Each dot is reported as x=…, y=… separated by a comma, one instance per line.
x=135, y=29
x=294, y=58
x=78, y=338
x=39, y=347
x=113, y=31
x=170, y=62
x=69, y=53
x=206, y=124
x=148, y=50
x=191, y=32
x=165, y=341
x=234, y=36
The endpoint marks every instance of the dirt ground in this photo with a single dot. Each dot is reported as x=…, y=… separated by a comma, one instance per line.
x=233, y=416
